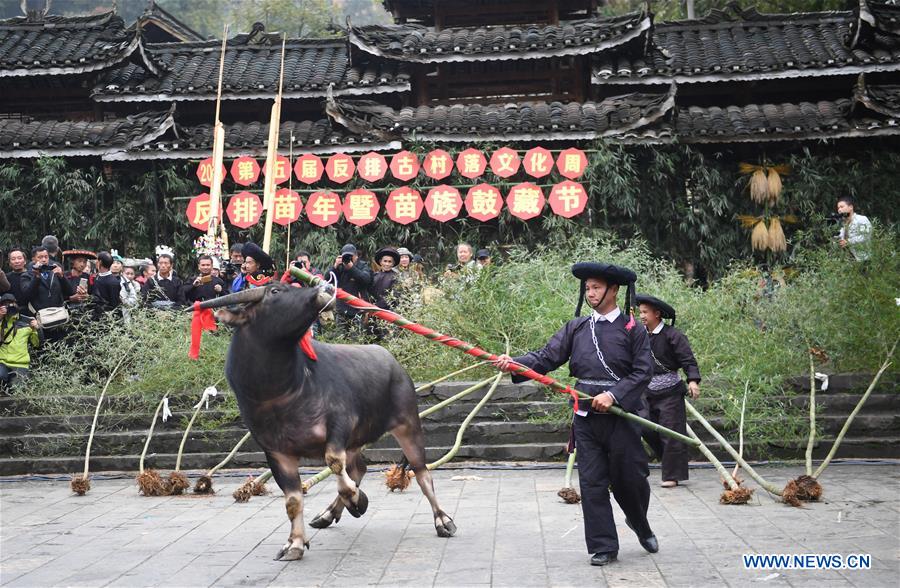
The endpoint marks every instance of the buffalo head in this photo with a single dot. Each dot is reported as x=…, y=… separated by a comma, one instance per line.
x=277, y=310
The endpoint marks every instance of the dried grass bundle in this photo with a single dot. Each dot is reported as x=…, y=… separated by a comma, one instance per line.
x=204, y=485
x=569, y=495
x=777, y=242
x=803, y=489
x=774, y=183
x=739, y=495
x=178, y=483
x=243, y=492
x=80, y=485
x=397, y=478
x=759, y=238
x=151, y=484
x=759, y=187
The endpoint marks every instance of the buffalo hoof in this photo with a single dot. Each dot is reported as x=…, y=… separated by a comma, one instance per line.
x=324, y=520
x=446, y=529
x=361, y=506
x=289, y=554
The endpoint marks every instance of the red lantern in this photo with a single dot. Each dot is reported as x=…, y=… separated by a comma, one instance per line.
x=245, y=170
x=309, y=168
x=361, y=207
x=282, y=167
x=323, y=208
x=538, y=162
x=244, y=209
x=404, y=205
x=438, y=164
x=568, y=199
x=404, y=166
x=198, y=212
x=484, y=202
x=471, y=163
x=505, y=162
x=205, y=172
x=525, y=201
x=340, y=168
x=372, y=166
x=286, y=207
x=443, y=203
x=571, y=163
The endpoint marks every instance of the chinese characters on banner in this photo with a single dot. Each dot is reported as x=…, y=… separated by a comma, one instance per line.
x=405, y=204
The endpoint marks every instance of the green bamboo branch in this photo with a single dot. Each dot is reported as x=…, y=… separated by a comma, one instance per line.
x=228, y=457
x=462, y=429
x=424, y=387
x=741, y=428
x=570, y=465
x=729, y=479
x=109, y=379
x=812, y=413
x=150, y=433
x=188, y=428
x=856, y=409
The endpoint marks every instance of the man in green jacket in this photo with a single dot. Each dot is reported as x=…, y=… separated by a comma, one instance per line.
x=16, y=334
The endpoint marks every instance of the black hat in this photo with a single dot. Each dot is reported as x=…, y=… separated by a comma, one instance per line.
x=611, y=274
x=348, y=248
x=395, y=255
x=665, y=310
x=8, y=296
x=482, y=254
x=418, y=258
x=251, y=249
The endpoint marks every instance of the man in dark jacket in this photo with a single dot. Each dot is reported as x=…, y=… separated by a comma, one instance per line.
x=383, y=282
x=107, y=288
x=205, y=286
x=665, y=394
x=610, y=356
x=164, y=290
x=45, y=286
x=354, y=277
x=18, y=259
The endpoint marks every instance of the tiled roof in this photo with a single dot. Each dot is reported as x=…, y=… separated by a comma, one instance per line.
x=56, y=45
x=168, y=26
x=746, y=45
x=485, y=43
x=319, y=136
x=80, y=138
x=189, y=71
x=510, y=122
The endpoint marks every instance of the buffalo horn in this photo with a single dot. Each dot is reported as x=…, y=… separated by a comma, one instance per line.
x=325, y=297
x=242, y=297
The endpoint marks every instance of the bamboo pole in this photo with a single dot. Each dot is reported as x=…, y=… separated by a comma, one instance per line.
x=737, y=466
x=424, y=387
x=150, y=433
x=462, y=429
x=228, y=457
x=767, y=486
x=856, y=409
x=272, y=156
x=570, y=465
x=812, y=414
x=474, y=351
x=729, y=479
x=215, y=189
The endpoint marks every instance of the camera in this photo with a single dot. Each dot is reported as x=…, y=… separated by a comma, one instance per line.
x=346, y=258
x=230, y=269
x=839, y=216
x=11, y=307
x=301, y=264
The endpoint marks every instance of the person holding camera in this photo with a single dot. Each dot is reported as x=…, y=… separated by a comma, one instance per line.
x=107, y=287
x=46, y=288
x=17, y=333
x=231, y=267
x=302, y=261
x=205, y=286
x=856, y=231
x=354, y=277
x=464, y=265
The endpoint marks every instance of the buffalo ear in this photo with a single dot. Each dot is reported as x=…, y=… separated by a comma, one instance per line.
x=233, y=318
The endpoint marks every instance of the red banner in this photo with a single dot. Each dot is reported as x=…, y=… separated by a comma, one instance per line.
x=286, y=207
x=568, y=199
x=484, y=202
x=361, y=207
x=205, y=172
x=244, y=209
x=404, y=166
x=404, y=205
x=309, y=168
x=538, y=162
x=443, y=203
x=471, y=163
x=282, y=169
x=525, y=201
x=323, y=208
x=505, y=162
x=571, y=163
x=245, y=170
x=198, y=211
x=340, y=168
x=372, y=166
x=438, y=164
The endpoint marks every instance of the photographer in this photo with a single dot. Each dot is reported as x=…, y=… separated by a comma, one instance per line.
x=45, y=287
x=856, y=230
x=303, y=262
x=231, y=267
x=465, y=266
x=354, y=277
x=16, y=334
x=205, y=286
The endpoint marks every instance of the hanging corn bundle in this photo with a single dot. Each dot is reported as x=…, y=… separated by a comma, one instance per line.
x=776, y=238
x=759, y=187
x=774, y=186
x=759, y=238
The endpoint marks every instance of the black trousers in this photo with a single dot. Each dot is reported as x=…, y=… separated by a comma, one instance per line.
x=667, y=409
x=610, y=454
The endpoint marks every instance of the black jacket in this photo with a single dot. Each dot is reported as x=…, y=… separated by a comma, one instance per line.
x=355, y=281
x=106, y=292
x=673, y=352
x=46, y=290
x=382, y=285
x=156, y=289
x=203, y=292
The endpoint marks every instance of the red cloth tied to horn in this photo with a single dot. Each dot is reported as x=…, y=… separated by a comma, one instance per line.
x=202, y=320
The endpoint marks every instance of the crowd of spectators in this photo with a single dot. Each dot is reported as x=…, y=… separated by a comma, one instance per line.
x=40, y=298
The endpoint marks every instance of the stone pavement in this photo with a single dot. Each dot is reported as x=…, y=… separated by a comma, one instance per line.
x=513, y=531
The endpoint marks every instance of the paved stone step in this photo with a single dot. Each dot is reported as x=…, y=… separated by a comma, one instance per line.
x=860, y=448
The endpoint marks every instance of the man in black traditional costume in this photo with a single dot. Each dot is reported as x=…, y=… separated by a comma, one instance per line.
x=610, y=356
x=671, y=351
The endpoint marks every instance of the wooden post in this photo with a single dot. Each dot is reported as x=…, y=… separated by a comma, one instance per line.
x=215, y=190
x=272, y=156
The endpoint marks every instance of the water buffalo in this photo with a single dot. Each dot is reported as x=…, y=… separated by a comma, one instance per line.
x=330, y=407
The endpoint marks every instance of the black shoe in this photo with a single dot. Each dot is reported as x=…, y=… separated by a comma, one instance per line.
x=649, y=543
x=602, y=559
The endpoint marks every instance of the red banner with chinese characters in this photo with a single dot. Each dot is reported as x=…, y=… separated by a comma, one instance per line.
x=244, y=209
x=361, y=207
x=205, y=172
x=323, y=208
x=309, y=168
x=404, y=205
x=443, y=203
x=198, y=211
x=286, y=207
x=245, y=170
x=484, y=202
x=282, y=167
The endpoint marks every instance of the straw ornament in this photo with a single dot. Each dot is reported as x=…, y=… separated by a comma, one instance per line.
x=759, y=238
x=777, y=241
x=759, y=187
